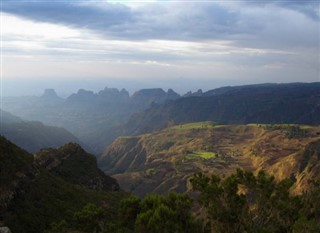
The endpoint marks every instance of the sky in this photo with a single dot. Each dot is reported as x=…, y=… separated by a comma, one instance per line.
x=184, y=45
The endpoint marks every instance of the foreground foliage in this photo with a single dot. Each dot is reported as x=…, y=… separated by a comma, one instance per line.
x=32, y=197
x=242, y=202
x=153, y=214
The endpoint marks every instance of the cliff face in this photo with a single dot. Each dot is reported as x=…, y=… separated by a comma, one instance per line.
x=73, y=164
x=303, y=166
x=125, y=154
x=163, y=161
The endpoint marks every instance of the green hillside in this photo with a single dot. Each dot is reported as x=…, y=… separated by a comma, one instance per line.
x=32, y=197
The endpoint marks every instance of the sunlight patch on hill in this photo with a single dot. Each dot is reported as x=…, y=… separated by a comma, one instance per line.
x=196, y=125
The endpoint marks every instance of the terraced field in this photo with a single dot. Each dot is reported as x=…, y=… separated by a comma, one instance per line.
x=163, y=161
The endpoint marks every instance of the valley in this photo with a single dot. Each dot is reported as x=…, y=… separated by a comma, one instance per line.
x=160, y=116
x=156, y=151
x=89, y=116
x=97, y=119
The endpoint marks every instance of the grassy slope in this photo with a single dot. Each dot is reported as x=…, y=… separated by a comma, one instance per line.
x=50, y=199
x=13, y=161
x=171, y=155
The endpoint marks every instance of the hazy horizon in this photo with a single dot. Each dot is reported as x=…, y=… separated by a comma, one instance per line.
x=183, y=45
x=67, y=88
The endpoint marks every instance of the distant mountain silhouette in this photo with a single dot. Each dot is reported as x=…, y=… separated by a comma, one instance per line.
x=145, y=97
x=32, y=135
x=7, y=117
x=197, y=93
x=98, y=118
x=50, y=95
x=86, y=114
x=297, y=103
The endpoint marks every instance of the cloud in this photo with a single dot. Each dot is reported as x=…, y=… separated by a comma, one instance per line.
x=151, y=21
x=79, y=14
x=185, y=21
x=172, y=39
x=310, y=8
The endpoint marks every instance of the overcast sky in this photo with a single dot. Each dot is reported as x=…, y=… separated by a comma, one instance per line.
x=185, y=45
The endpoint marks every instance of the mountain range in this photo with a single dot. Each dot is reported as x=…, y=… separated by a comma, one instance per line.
x=86, y=114
x=97, y=119
x=296, y=103
x=33, y=135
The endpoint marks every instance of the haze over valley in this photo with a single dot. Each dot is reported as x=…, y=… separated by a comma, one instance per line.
x=160, y=116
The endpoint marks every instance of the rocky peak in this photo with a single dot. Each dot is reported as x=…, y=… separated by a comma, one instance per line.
x=76, y=166
x=150, y=93
x=146, y=97
x=199, y=92
x=49, y=94
x=124, y=92
x=51, y=158
x=171, y=94
x=190, y=93
x=109, y=91
x=82, y=96
x=113, y=95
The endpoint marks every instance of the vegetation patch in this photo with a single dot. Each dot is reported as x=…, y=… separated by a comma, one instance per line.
x=296, y=132
x=289, y=130
x=196, y=125
x=228, y=203
x=240, y=202
x=51, y=199
x=195, y=155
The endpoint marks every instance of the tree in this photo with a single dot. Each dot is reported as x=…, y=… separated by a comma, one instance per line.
x=160, y=219
x=221, y=199
x=89, y=219
x=128, y=211
x=310, y=210
x=167, y=214
x=243, y=202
